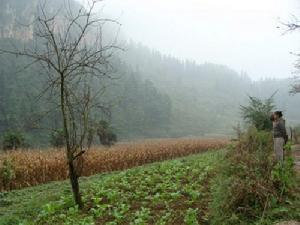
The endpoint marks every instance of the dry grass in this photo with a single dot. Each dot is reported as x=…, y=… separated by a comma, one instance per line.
x=29, y=168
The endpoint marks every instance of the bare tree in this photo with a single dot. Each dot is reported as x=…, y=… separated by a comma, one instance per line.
x=70, y=48
x=291, y=27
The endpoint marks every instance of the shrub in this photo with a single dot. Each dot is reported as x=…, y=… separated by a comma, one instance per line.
x=13, y=141
x=258, y=113
x=7, y=172
x=57, y=138
x=250, y=184
x=105, y=133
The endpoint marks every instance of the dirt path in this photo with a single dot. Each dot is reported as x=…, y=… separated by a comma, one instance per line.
x=296, y=154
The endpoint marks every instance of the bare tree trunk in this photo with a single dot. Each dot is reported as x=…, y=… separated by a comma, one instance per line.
x=72, y=171
x=75, y=184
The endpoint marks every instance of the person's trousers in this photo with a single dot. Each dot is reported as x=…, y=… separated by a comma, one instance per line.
x=278, y=148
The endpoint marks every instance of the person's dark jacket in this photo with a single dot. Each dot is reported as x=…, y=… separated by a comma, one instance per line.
x=279, y=129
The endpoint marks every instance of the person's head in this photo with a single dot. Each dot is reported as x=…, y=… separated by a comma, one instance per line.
x=278, y=115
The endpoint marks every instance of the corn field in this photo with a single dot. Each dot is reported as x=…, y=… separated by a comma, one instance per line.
x=19, y=169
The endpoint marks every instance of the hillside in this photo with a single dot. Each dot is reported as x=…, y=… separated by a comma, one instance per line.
x=155, y=96
x=206, y=98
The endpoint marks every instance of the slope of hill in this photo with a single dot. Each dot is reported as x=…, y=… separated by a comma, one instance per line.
x=208, y=95
x=156, y=95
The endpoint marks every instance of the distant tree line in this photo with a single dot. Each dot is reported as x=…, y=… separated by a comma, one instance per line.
x=154, y=96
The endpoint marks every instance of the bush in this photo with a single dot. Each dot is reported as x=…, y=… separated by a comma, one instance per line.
x=57, y=138
x=105, y=134
x=7, y=172
x=258, y=113
x=250, y=184
x=13, y=141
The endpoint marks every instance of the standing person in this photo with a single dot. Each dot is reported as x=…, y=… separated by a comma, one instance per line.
x=280, y=135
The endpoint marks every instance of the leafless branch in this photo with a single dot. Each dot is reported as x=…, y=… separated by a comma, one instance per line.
x=70, y=47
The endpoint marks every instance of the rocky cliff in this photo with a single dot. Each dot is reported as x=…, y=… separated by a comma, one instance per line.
x=17, y=16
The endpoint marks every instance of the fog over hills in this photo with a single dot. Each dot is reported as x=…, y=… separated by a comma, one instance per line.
x=162, y=91
x=244, y=35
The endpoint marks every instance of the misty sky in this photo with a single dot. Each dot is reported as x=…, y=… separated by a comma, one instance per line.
x=238, y=33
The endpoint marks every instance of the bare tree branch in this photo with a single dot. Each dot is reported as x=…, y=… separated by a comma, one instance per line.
x=69, y=46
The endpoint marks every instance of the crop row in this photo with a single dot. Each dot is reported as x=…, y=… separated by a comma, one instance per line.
x=19, y=169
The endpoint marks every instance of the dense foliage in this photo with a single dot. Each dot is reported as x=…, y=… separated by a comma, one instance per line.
x=13, y=141
x=105, y=133
x=258, y=112
x=57, y=139
x=251, y=188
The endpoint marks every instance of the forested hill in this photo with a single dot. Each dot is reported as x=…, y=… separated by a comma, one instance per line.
x=206, y=97
x=155, y=96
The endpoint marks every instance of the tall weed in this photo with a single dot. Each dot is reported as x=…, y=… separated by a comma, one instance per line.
x=251, y=184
